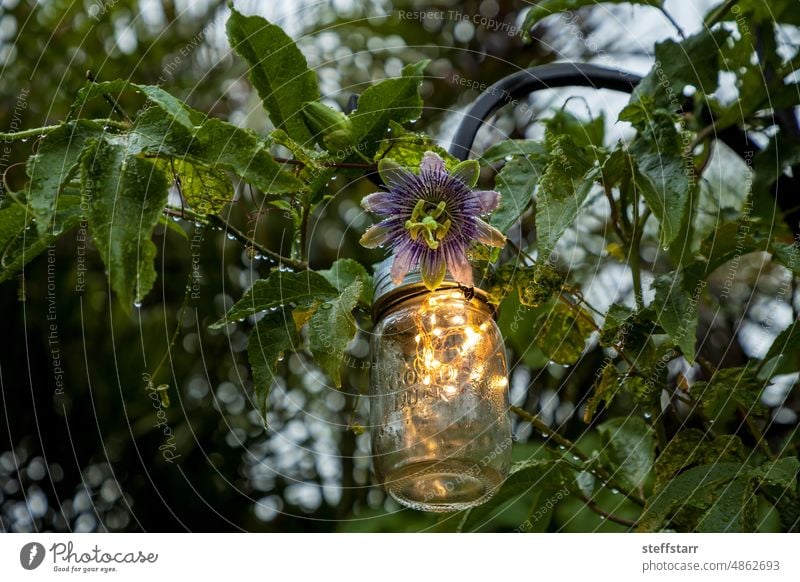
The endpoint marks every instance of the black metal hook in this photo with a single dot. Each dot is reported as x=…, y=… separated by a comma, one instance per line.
x=522, y=83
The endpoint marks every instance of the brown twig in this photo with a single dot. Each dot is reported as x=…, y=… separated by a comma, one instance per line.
x=237, y=234
x=591, y=504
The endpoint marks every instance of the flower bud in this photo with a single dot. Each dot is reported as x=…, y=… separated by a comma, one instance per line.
x=332, y=128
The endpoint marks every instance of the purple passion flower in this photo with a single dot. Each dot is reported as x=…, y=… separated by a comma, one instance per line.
x=431, y=218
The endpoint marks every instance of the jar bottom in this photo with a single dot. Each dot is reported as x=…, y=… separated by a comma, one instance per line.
x=442, y=485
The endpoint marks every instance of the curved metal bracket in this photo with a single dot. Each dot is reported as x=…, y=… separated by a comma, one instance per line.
x=521, y=84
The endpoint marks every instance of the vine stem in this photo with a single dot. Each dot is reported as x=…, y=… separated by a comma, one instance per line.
x=672, y=21
x=579, y=312
x=721, y=12
x=591, y=504
x=297, y=265
x=636, y=239
x=37, y=132
x=615, y=215
x=574, y=450
x=186, y=214
x=761, y=440
x=702, y=135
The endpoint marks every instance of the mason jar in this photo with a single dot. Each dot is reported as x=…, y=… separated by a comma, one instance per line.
x=439, y=423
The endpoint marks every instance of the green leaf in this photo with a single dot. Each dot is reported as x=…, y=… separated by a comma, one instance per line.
x=53, y=166
x=278, y=70
x=663, y=177
x=734, y=510
x=729, y=389
x=227, y=147
x=205, y=190
x=518, y=325
x=344, y=272
x=615, y=326
x=280, y=288
x=407, y=148
x=758, y=11
x=535, y=480
x=176, y=110
x=696, y=488
x=331, y=328
x=694, y=61
x=727, y=242
x=787, y=255
x=516, y=183
x=675, y=308
x=605, y=389
x=127, y=196
x=561, y=334
x=630, y=448
x=271, y=338
x=583, y=133
x=508, y=148
x=544, y=8
x=20, y=243
x=692, y=447
x=390, y=100
x=781, y=472
x=783, y=356
x=563, y=189
x=216, y=144
x=537, y=284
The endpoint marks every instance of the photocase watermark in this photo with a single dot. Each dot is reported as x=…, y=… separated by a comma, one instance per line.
x=31, y=555
x=478, y=20
x=168, y=448
x=65, y=558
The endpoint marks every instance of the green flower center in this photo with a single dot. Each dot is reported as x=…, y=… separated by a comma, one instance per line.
x=424, y=222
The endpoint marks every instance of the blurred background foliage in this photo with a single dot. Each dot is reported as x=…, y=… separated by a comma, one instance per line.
x=92, y=458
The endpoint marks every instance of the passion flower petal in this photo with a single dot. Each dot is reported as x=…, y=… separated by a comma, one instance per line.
x=405, y=258
x=489, y=235
x=393, y=174
x=379, y=203
x=458, y=264
x=433, y=269
x=488, y=200
x=432, y=163
x=376, y=235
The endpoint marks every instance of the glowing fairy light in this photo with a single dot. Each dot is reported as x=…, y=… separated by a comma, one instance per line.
x=441, y=433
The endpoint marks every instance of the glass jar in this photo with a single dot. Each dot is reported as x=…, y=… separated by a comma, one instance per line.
x=441, y=433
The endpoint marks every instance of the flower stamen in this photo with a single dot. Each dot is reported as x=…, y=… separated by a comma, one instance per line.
x=424, y=221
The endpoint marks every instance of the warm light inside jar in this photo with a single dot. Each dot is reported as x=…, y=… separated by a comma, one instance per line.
x=440, y=428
